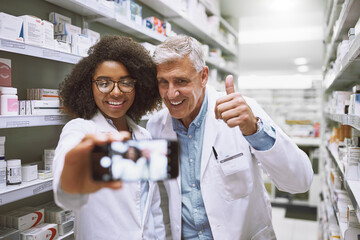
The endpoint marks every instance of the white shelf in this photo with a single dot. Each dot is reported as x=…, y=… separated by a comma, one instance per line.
x=32, y=120
x=349, y=68
x=333, y=17
x=65, y=235
x=345, y=119
x=180, y=18
x=98, y=12
x=35, y=51
x=224, y=69
x=307, y=141
x=26, y=189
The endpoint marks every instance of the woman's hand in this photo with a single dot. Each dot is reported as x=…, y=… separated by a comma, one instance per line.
x=76, y=175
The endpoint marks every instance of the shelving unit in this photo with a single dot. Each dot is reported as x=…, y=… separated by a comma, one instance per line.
x=32, y=121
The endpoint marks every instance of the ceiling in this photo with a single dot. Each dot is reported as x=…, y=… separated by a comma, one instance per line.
x=272, y=33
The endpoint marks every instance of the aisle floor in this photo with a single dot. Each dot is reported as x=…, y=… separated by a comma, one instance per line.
x=293, y=229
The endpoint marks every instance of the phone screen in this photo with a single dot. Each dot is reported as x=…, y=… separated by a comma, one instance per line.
x=136, y=160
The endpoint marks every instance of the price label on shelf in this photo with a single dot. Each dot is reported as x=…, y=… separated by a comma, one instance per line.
x=47, y=186
x=12, y=45
x=53, y=118
x=12, y=124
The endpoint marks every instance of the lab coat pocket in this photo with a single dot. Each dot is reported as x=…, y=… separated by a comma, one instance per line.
x=235, y=176
x=264, y=234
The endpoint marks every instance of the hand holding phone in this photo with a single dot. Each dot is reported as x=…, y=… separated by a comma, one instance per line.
x=135, y=160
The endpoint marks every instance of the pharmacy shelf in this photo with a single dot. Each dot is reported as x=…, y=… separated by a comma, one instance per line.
x=174, y=15
x=346, y=21
x=65, y=235
x=95, y=11
x=352, y=187
x=345, y=119
x=32, y=120
x=35, y=51
x=212, y=62
x=335, y=10
x=348, y=70
x=13, y=193
x=307, y=141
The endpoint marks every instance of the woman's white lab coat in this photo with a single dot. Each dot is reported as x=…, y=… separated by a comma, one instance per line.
x=235, y=199
x=107, y=214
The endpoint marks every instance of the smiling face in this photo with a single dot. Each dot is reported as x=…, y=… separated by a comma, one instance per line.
x=182, y=88
x=115, y=104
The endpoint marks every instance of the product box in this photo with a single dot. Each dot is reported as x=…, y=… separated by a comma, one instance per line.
x=9, y=234
x=80, y=45
x=22, y=107
x=48, y=34
x=33, y=30
x=41, y=232
x=42, y=94
x=62, y=46
x=48, y=158
x=129, y=10
x=11, y=27
x=45, y=107
x=92, y=35
x=26, y=217
x=29, y=172
x=66, y=227
x=56, y=18
x=59, y=215
x=43, y=174
x=5, y=72
x=65, y=32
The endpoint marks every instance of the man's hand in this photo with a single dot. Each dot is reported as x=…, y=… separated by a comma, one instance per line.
x=76, y=174
x=233, y=109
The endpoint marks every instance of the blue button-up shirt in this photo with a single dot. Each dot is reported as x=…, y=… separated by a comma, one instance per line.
x=195, y=223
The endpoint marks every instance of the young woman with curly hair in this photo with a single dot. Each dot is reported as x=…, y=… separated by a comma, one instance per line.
x=107, y=92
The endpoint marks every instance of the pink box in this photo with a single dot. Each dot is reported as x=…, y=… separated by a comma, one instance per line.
x=5, y=72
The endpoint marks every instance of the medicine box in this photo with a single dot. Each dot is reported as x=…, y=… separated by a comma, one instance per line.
x=62, y=46
x=56, y=18
x=33, y=30
x=45, y=107
x=27, y=217
x=42, y=94
x=5, y=72
x=42, y=231
x=92, y=35
x=66, y=227
x=11, y=27
x=80, y=44
x=65, y=32
x=48, y=34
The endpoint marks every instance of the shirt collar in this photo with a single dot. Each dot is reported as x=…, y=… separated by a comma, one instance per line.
x=177, y=124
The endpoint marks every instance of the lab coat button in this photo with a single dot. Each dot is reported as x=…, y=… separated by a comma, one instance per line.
x=191, y=160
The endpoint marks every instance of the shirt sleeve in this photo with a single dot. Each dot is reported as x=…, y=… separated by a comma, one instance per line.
x=264, y=138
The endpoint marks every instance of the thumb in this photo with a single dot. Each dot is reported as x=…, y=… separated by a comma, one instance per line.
x=229, y=84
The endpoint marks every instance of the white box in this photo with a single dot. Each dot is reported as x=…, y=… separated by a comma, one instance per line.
x=28, y=217
x=43, y=174
x=29, y=172
x=92, y=35
x=56, y=18
x=42, y=94
x=65, y=31
x=59, y=215
x=45, y=107
x=41, y=232
x=80, y=45
x=66, y=227
x=62, y=46
x=33, y=30
x=11, y=27
x=48, y=34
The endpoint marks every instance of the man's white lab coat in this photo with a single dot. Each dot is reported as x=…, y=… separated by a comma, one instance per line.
x=107, y=214
x=236, y=202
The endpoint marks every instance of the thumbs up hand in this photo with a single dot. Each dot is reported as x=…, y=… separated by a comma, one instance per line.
x=234, y=111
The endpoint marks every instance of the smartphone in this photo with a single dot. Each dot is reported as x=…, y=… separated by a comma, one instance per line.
x=133, y=160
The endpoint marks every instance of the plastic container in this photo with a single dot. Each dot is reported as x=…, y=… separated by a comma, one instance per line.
x=9, y=101
x=2, y=174
x=13, y=171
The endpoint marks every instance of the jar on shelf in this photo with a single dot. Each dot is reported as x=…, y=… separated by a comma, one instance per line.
x=13, y=171
x=9, y=101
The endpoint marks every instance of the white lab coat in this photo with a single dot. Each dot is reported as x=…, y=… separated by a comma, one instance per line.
x=107, y=214
x=237, y=204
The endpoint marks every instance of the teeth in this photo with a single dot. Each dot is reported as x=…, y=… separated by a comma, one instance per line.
x=115, y=103
x=176, y=103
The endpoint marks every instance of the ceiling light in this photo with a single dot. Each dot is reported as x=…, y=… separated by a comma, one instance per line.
x=303, y=68
x=300, y=61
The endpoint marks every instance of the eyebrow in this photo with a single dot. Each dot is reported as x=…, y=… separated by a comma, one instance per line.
x=109, y=78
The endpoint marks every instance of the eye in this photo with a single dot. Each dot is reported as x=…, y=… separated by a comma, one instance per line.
x=162, y=82
x=103, y=83
x=128, y=82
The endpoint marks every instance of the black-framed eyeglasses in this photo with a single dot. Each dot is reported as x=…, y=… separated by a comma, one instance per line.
x=126, y=85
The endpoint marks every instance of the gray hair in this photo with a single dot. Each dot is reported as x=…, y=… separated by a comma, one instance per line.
x=178, y=47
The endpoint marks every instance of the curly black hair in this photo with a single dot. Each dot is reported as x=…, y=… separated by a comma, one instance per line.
x=76, y=90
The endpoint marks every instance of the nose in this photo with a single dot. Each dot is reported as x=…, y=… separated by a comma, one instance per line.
x=116, y=90
x=173, y=92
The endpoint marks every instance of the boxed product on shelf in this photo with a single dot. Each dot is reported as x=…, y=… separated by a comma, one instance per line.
x=56, y=18
x=62, y=46
x=48, y=34
x=42, y=94
x=9, y=234
x=45, y=107
x=48, y=159
x=33, y=30
x=25, y=218
x=11, y=27
x=58, y=215
x=29, y=172
x=80, y=44
x=129, y=10
x=42, y=231
x=66, y=227
x=44, y=174
x=5, y=72
x=65, y=32
x=154, y=24
x=92, y=35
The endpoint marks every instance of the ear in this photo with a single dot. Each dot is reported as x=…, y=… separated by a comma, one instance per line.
x=204, y=76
